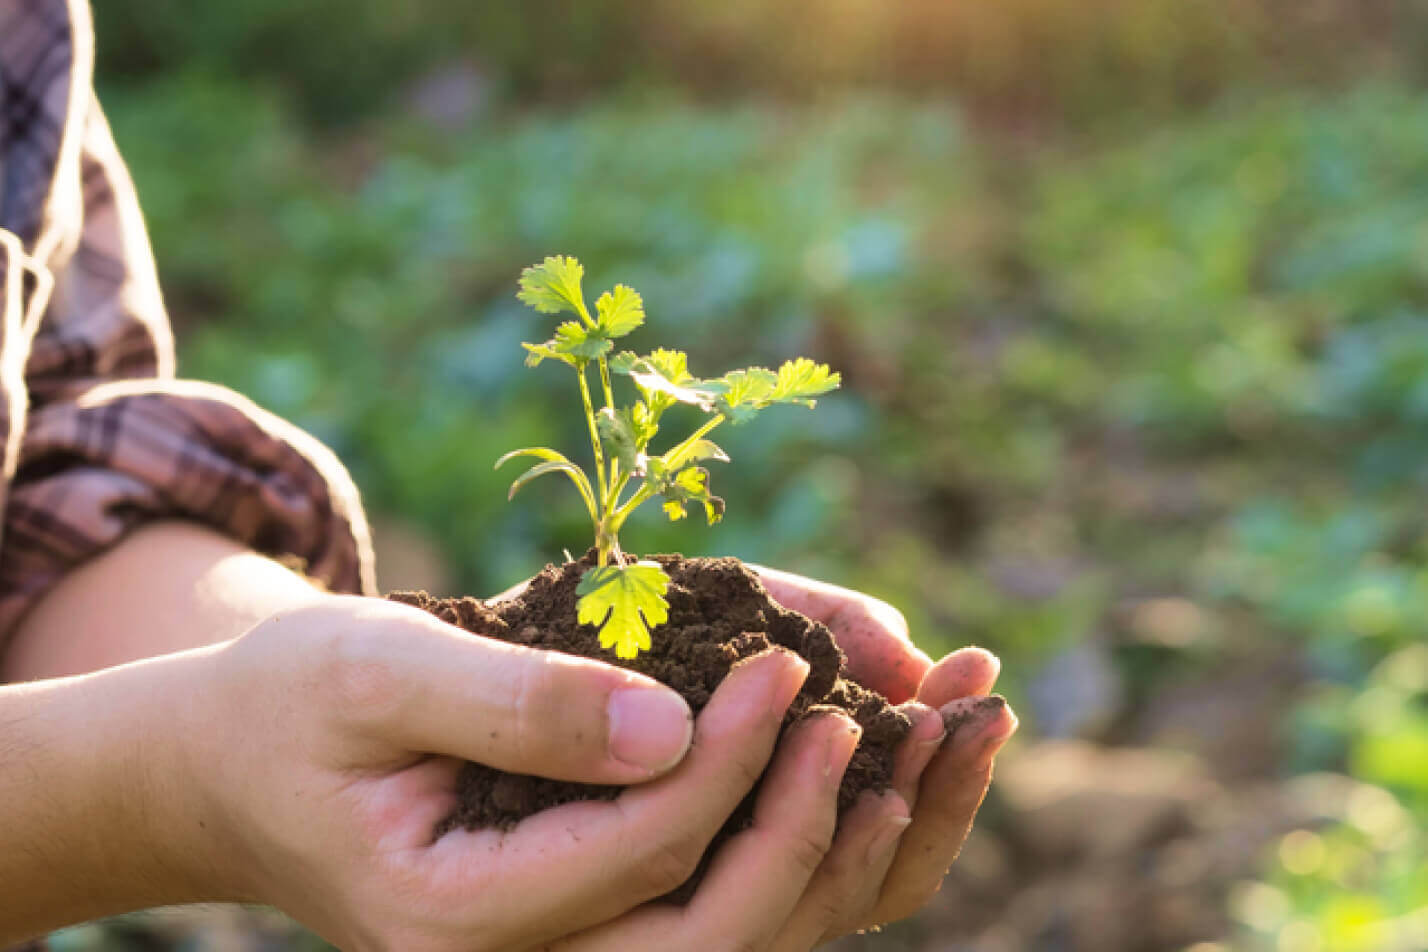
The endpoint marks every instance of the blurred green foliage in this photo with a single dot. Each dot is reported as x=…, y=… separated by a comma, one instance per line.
x=1259, y=281
x=1051, y=60
x=1181, y=350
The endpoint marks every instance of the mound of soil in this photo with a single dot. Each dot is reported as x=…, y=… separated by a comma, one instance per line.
x=719, y=613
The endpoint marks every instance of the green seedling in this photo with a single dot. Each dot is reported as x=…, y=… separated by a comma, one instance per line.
x=624, y=598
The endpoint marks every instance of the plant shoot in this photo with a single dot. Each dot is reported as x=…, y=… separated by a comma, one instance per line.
x=624, y=598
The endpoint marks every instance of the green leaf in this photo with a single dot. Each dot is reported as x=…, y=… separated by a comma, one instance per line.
x=655, y=387
x=554, y=463
x=577, y=340
x=539, y=452
x=690, y=485
x=624, y=362
x=540, y=469
x=644, y=423
x=677, y=458
x=626, y=602
x=625, y=433
x=663, y=377
x=704, y=449
x=800, y=380
x=619, y=311
x=746, y=392
x=672, y=364
x=547, y=351
x=553, y=286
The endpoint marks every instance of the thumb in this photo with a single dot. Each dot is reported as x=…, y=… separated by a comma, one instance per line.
x=414, y=684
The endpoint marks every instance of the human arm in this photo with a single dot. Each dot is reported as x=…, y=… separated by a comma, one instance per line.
x=167, y=587
x=81, y=752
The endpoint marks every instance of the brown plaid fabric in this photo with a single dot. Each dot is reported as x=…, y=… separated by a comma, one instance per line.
x=96, y=434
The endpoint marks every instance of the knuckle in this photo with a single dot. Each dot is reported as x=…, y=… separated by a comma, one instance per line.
x=746, y=772
x=535, y=688
x=882, y=615
x=857, y=907
x=808, y=847
x=669, y=863
x=362, y=681
x=834, y=910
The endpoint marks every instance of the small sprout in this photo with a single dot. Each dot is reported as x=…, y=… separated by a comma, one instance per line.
x=625, y=600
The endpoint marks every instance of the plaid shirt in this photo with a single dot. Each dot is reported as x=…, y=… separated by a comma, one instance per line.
x=96, y=434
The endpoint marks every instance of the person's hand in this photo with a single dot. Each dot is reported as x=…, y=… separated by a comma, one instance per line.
x=324, y=747
x=891, y=852
x=942, y=783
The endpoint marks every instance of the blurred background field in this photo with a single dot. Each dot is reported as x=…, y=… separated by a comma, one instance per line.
x=1131, y=302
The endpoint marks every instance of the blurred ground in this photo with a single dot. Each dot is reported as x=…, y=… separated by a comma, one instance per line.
x=1131, y=301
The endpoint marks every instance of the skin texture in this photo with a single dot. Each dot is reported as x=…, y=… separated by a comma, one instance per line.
x=296, y=748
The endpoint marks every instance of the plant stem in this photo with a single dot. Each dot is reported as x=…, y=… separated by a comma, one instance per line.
x=618, y=517
x=609, y=405
x=673, y=456
x=615, y=520
x=617, y=486
x=585, y=315
x=601, y=543
x=605, y=382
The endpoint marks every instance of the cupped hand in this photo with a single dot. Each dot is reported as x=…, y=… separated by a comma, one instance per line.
x=325, y=744
x=941, y=772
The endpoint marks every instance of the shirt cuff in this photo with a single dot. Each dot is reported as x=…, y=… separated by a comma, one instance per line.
x=126, y=453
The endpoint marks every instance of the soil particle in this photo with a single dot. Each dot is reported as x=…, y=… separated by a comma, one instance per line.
x=719, y=614
x=979, y=711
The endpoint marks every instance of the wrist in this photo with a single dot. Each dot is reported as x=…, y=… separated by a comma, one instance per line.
x=209, y=778
x=155, y=828
x=177, y=842
x=89, y=796
x=224, y=765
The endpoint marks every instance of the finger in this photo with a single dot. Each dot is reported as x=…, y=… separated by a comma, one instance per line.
x=846, y=887
x=762, y=873
x=963, y=673
x=759, y=876
x=402, y=810
x=405, y=682
x=951, y=792
x=917, y=749
x=589, y=862
x=872, y=633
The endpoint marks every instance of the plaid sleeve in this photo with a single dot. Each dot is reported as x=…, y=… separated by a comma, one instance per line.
x=122, y=454
x=98, y=437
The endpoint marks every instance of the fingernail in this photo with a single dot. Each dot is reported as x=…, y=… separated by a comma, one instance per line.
x=790, y=679
x=886, y=838
x=842, y=741
x=650, y=728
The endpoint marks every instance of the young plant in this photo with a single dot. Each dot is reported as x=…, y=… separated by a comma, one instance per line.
x=625, y=599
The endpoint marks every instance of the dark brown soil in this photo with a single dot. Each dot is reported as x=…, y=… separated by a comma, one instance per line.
x=719, y=613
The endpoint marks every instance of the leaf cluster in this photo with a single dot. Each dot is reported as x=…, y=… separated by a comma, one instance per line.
x=626, y=600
